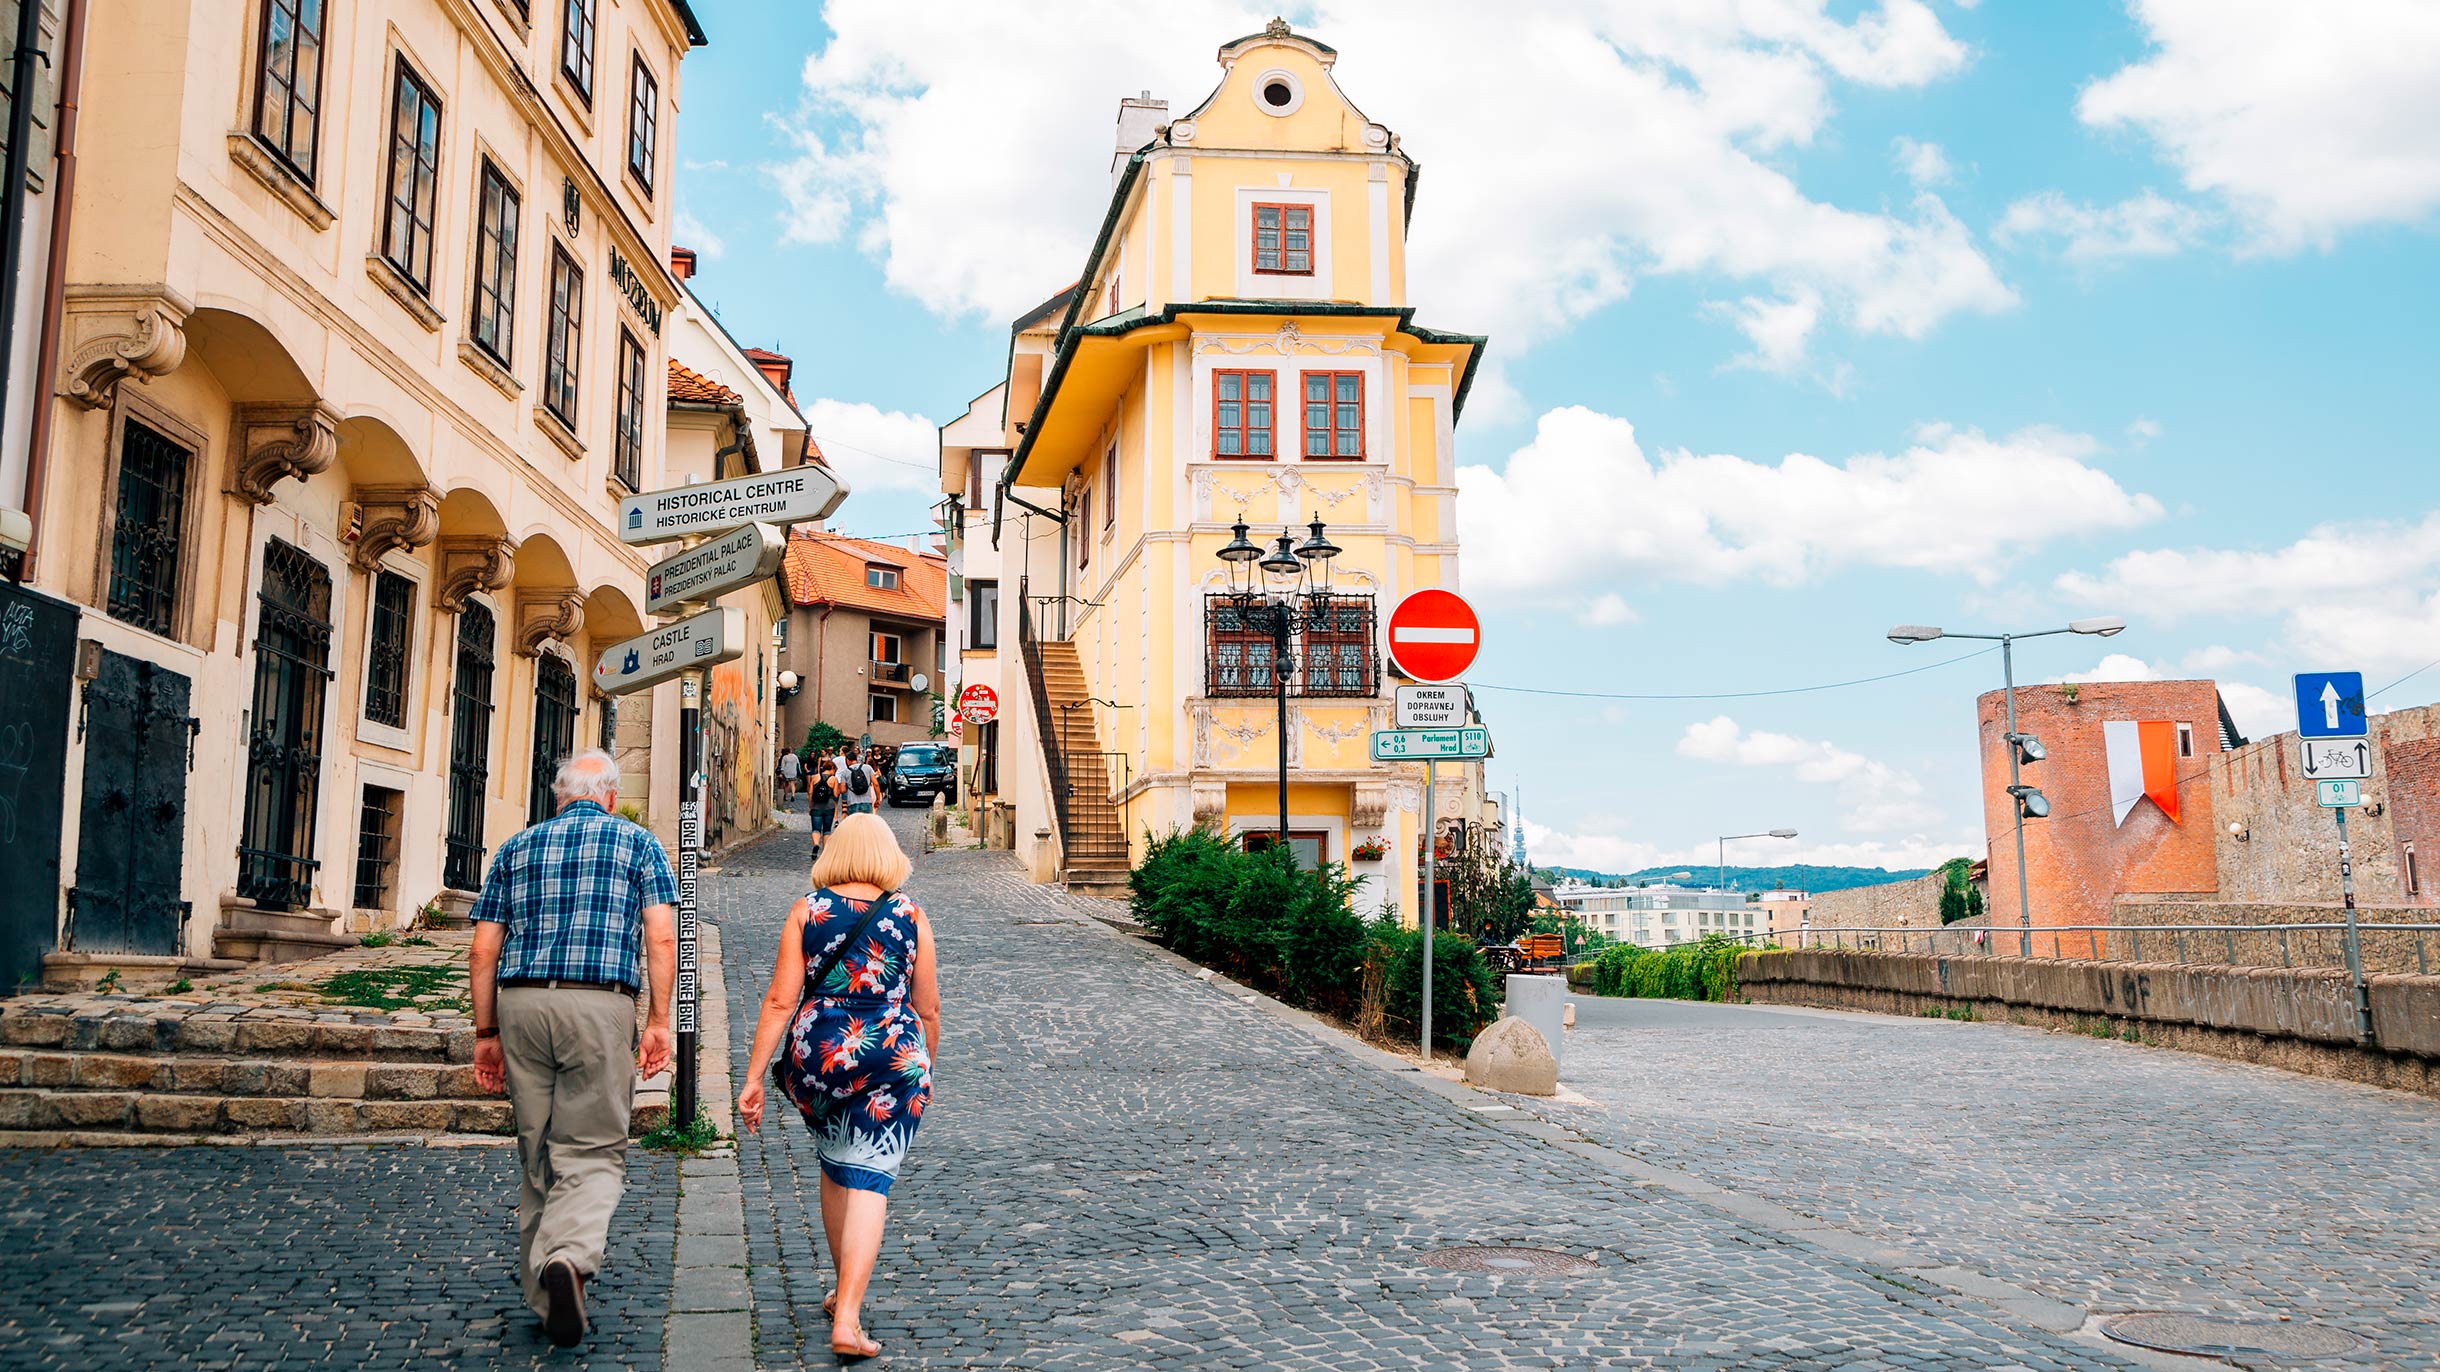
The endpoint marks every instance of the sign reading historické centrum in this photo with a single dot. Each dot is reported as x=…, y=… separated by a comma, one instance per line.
x=784, y=497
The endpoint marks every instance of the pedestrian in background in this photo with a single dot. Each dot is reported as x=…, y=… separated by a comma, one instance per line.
x=853, y=1016
x=790, y=767
x=553, y=978
x=822, y=805
x=859, y=785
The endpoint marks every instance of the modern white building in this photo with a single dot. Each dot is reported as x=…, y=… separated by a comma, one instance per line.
x=1661, y=914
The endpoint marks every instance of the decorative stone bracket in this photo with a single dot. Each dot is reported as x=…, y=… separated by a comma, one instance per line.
x=1210, y=801
x=121, y=332
x=546, y=615
x=279, y=441
x=1371, y=808
x=396, y=518
x=481, y=562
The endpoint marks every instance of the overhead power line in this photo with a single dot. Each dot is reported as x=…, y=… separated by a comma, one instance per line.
x=1736, y=695
x=2435, y=662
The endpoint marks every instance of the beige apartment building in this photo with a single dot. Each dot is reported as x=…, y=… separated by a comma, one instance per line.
x=865, y=638
x=361, y=342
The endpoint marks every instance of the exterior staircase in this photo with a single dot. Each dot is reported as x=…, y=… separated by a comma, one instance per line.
x=1093, y=832
x=267, y=936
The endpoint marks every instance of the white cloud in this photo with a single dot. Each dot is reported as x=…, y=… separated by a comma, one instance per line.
x=1876, y=797
x=2306, y=119
x=2358, y=595
x=2141, y=431
x=686, y=231
x=2116, y=667
x=2259, y=713
x=877, y=450
x=2145, y=225
x=1581, y=506
x=966, y=146
x=1778, y=329
x=1607, y=610
x=1925, y=164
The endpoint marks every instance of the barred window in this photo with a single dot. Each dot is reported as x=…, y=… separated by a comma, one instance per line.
x=643, y=122
x=148, y=529
x=415, y=167
x=385, y=672
x=1334, y=414
x=1240, y=654
x=288, y=82
x=576, y=46
x=495, y=265
x=1241, y=414
x=275, y=862
x=377, y=846
x=1283, y=240
x=565, y=341
x=1338, y=646
x=554, y=734
x=627, y=455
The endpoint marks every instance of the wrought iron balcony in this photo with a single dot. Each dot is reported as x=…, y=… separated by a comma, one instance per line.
x=1331, y=647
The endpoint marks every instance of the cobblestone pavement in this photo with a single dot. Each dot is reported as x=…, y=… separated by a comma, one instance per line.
x=2107, y=1175
x=1127, y=1167
x=239, y=1257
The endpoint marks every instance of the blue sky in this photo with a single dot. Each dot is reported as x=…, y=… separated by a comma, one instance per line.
x=1807, y=319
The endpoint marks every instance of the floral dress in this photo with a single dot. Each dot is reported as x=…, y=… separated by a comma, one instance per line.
x=857, y=1067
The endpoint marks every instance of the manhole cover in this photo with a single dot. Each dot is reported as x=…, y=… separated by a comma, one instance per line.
x=1506, y=1261
x=2231, y=1335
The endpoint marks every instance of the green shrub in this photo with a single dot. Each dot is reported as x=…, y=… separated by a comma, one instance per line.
x=1706, y=970
x=1465, y=991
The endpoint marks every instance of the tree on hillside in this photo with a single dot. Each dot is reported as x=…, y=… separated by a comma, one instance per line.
x=1959, y=899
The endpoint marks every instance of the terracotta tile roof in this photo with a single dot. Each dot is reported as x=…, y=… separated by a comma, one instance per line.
x=692, y=387
x=829, y=569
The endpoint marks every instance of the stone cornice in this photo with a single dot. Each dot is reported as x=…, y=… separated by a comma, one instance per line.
x=395, y=519
x=121, y=331
x=479, y=562
x=275, y=442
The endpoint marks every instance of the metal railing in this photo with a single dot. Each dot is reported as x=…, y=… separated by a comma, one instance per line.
x=2389, y=947
x=890, y=673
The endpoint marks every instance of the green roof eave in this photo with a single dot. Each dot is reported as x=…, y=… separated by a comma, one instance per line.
x=1128, y=322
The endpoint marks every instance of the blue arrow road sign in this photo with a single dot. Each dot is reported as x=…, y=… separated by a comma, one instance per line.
x=2331, y=705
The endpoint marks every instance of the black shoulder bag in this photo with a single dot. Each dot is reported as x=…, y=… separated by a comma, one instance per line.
x=814, y=978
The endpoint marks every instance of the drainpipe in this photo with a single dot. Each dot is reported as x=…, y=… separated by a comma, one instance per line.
x=63, y=202
x=12, y=177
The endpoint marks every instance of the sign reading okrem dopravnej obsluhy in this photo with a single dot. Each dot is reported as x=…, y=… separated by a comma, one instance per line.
x=737, y=558
x=715, y=636
x=782, y=497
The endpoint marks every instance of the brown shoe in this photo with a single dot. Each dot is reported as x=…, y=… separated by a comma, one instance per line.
x=563, y=1291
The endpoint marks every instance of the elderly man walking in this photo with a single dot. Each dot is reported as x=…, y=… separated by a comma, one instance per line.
x=553, y=975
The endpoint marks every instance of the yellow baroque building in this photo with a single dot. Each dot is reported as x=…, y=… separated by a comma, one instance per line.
x=359, y=346
x=1239, y=346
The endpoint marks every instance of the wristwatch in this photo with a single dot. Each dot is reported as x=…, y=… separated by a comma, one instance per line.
x=492, y=1033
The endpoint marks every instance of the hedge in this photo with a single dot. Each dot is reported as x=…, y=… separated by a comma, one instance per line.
x=1706, y=970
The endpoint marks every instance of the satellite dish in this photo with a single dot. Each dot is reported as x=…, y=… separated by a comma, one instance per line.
x=920, y=682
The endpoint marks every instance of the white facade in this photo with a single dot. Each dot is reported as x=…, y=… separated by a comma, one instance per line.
x=1659, y=915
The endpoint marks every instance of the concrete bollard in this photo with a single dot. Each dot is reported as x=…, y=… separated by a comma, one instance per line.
x=1567, y=1015
x=1537, y=1000
x=1512, y=1056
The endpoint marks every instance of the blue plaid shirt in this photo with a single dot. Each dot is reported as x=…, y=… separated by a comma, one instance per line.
x=572, y=891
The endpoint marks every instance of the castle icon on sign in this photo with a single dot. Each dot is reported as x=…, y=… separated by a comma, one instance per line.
x=634, y=660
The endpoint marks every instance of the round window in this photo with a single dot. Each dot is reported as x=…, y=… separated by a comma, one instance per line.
x=1278, y=93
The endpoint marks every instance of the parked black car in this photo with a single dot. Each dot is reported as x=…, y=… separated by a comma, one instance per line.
x=924, y=770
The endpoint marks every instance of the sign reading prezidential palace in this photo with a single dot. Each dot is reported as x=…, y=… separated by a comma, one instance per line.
x=782, y=497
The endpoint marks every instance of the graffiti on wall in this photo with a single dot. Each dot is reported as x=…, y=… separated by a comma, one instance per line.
x=732, y=740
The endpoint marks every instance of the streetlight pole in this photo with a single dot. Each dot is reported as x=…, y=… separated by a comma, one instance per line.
x=2021, y=747
x=1302, y=572
x=1724, y=838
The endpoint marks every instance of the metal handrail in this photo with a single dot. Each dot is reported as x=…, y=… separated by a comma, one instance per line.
x=1031, y=645
x=2101, y=941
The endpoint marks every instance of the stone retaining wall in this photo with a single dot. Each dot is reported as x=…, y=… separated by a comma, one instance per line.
x=2301, y=1019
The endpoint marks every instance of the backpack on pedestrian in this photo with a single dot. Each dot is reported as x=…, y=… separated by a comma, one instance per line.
x=860, y=781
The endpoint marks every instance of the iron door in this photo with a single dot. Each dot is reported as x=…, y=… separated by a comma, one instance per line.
x=131, y=839
x=37, y=665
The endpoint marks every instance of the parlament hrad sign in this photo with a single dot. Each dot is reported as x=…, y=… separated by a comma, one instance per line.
x=784, y=497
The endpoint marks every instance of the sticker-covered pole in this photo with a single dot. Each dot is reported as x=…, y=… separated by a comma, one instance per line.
x=682, y=1096
x=1428, y=923
x=2355, y=947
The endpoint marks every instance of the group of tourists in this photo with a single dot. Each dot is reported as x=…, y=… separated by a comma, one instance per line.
x=575, y=924
x=846, y=783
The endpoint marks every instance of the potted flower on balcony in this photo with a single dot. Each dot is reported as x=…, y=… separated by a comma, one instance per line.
x=1370, y=850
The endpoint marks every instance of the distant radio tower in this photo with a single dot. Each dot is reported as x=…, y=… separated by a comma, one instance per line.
x=1516, y=826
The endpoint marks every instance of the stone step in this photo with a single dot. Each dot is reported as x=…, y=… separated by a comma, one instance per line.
x=1103, y=890
x=164, y=1112
x=205, y=1074
x=248, y=1034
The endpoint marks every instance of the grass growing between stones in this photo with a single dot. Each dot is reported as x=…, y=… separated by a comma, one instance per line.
x=431, y=987
x=686, y=1141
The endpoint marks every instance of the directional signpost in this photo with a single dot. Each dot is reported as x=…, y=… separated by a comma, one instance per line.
x=782, y=497
x=2330, y=711
x=716, y=635
x=715, y=567
x=1433, y=637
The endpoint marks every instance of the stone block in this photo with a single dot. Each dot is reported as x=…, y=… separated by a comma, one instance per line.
x=197, y=1074
x=129, y=1033
x=178, y=1114
x=461, y=1044
x=1512, y=1055
x=395, y=1081
x=331, y=1117
x=287, y=1078
x=327, y=1079
x=458, y=1082
x=2406, y=1014
x=245, y=1078
x=50, y=1069
x=485, y=1117
x=407, y=1042
x=15, y=1068
x=263, y=1113
x=423, y=1117
x=116, y=1073
x=274, y=1036
x=90, y=1109
x=207, y=1034
x=35, y=1031
x=343, y=1040
x=26, y=1110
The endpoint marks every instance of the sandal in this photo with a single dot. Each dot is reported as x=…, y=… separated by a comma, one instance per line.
x=854, y=1352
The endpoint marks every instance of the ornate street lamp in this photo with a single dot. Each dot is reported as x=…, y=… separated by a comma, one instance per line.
x=1282, y=592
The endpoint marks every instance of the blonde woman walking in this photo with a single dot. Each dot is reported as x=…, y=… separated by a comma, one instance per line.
x=854, y=1016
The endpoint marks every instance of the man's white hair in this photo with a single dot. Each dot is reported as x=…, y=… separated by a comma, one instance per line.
x=588, y=775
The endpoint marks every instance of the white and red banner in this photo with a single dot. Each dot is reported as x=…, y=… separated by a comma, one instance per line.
x=2143, y=762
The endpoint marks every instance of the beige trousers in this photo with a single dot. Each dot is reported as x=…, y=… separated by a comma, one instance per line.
x=571, y=1083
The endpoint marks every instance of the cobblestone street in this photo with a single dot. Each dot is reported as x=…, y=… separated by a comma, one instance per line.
x=1127, y=1167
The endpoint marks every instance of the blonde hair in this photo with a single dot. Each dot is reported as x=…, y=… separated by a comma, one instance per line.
x=861, y=848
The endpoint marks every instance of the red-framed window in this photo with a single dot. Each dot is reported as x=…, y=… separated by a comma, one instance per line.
x=1242, y=415
x=1283, y=240
x=1334, y=414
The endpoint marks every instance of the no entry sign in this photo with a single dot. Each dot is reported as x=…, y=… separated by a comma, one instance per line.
x=1434, y=635
x=978, y=704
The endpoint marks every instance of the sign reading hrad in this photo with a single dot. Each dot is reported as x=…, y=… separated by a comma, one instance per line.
x=740, y=557
x=782, y=497
x=716, y=635
x=1434, y=635
x=1428, y=745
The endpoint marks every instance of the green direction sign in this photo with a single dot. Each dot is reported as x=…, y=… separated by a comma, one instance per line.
x=1423, y=745
x=2340, y=795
